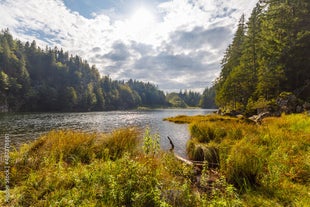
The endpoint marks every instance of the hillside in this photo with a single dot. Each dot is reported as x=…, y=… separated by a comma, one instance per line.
x=36, y=79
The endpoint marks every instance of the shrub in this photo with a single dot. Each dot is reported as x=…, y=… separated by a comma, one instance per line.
x=151, y=143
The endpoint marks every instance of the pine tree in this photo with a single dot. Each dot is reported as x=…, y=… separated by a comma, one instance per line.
x=225, y=88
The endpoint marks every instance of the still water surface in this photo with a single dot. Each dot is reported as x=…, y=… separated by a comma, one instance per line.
x=25, y=127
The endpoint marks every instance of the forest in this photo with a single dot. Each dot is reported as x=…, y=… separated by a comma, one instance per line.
x=36, y=79
x=269, y=56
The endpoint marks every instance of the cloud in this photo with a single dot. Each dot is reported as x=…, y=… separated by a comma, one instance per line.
x=119, y=52
x=181, y=49
x=200, y=37
x=96, y=49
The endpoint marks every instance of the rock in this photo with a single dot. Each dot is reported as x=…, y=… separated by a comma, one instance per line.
x=299, y=109
x=306, y=106
x=240, y=116
x=4, y=108
x=258, y=118
x=288, y=103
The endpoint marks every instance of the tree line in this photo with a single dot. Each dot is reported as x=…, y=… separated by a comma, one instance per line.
x=33, y=79
x=185, y=99
x=269, y=54
x=36, y=79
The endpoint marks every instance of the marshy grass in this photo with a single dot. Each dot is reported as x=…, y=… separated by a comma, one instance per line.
x=270, y=160
x=72, y=168
x=184, y=119
x=260, y=165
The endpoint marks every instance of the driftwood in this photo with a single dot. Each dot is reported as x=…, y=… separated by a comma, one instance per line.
x=172, y=145
x=212, y=175
x=186, y=161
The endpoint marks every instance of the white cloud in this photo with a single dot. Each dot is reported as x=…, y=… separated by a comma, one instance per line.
x=179, y=45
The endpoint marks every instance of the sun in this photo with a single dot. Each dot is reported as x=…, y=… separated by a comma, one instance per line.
x=140, y=24
x=141, y=18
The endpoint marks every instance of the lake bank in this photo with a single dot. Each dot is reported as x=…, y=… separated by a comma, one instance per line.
x=267, y=163
x=67, y=168
x=259, y=165
x=26, y=127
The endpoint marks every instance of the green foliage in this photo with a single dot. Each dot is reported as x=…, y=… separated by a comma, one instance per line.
x=151, y=145
x=222, y=193
x=244, y=165
x=207, y=100
x=68, y=168
x=28, y=75
x=267, y=56
x=207, y=152
x=192, y=99
x=261, y=165
x=225, y=88
x=202, y=132
x=148, y=93
x=175, y=100
x=267, y=163
x=205, y=132
x=4, y=81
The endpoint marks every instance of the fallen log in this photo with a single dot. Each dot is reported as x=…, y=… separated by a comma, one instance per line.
x=186, y=161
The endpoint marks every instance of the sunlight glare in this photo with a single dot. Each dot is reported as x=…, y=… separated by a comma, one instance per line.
x=141, y=18
x=141, y=23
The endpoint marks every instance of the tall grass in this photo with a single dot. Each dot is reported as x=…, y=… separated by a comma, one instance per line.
x=256, y=165
x=70, y=168
x=270, y=160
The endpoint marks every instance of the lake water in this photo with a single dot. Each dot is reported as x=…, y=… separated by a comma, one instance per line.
x=25, y=127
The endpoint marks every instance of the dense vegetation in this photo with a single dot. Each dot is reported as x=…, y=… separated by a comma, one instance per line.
x=268, y=55
x=267, y=163
x=33, y=79
x=245, y=165
x=67, y=168
x=192, y=99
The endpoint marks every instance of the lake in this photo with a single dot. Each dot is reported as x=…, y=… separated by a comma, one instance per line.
x=25, y=127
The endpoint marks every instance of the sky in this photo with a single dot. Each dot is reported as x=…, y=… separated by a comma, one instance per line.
x=176, y=44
